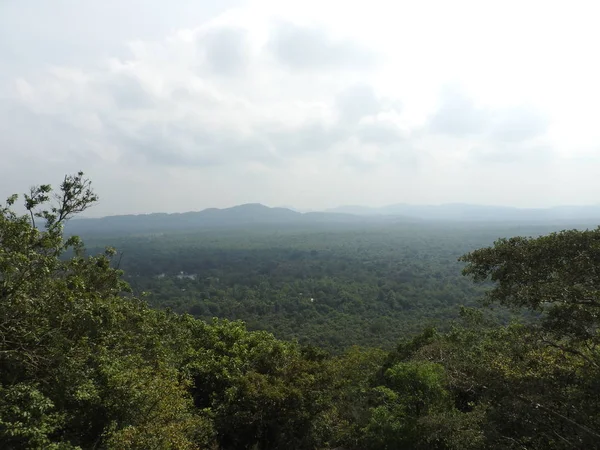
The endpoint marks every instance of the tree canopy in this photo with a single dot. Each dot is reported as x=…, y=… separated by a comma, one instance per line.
x=86, y=364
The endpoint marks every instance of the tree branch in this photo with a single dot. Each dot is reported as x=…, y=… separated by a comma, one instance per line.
x=570, y=350
x=556, y=414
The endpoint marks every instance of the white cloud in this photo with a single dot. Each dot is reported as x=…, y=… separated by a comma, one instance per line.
x=305, y=103
x=311, y=48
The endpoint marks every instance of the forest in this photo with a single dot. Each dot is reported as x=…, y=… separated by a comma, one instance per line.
x=369, y=336
x=334, y=287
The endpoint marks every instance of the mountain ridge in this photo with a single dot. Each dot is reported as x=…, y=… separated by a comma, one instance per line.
x=466, y=211
x=251, y=214
x=240, y=215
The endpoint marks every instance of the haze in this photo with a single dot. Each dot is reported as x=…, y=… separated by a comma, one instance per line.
x=184, y=105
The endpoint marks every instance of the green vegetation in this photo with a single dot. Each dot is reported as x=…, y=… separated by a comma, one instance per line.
x=331, y=289
x=84, y=363
x=322, y=285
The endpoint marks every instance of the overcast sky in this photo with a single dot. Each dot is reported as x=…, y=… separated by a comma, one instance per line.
x=188, y=104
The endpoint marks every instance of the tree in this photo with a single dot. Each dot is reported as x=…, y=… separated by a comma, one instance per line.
x=557, y=275
x=412, y=391
x=83, y=363
x=545, y=373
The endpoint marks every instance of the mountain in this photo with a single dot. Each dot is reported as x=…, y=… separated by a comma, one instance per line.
x=357, y=210
x=256, y=214
x=467, y=212
x=242, y=215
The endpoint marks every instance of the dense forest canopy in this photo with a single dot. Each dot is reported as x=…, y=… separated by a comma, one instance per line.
x=86, y=362
x=329, y=286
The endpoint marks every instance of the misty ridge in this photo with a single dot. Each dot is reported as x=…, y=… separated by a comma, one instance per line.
x=258, y=214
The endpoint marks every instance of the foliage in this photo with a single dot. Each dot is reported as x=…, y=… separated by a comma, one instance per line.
x=328, y=287
x=82, y=364
x=87, y=365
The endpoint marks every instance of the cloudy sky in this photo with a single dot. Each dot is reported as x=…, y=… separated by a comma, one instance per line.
x=188, y=104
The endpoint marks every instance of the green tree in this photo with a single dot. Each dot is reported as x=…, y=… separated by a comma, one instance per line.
x=556, y=276
x=546, y=371
x=412, y=390
x=84, y=364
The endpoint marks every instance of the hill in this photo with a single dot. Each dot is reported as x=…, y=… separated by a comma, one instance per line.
x=467, y=212
x=256, y=214
x=237, y=216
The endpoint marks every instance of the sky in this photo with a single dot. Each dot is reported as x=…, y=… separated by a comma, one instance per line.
x=189, y=104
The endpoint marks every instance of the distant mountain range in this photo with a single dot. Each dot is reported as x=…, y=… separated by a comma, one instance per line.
x=242, y=215
x=466, y=212
x=257, y=214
